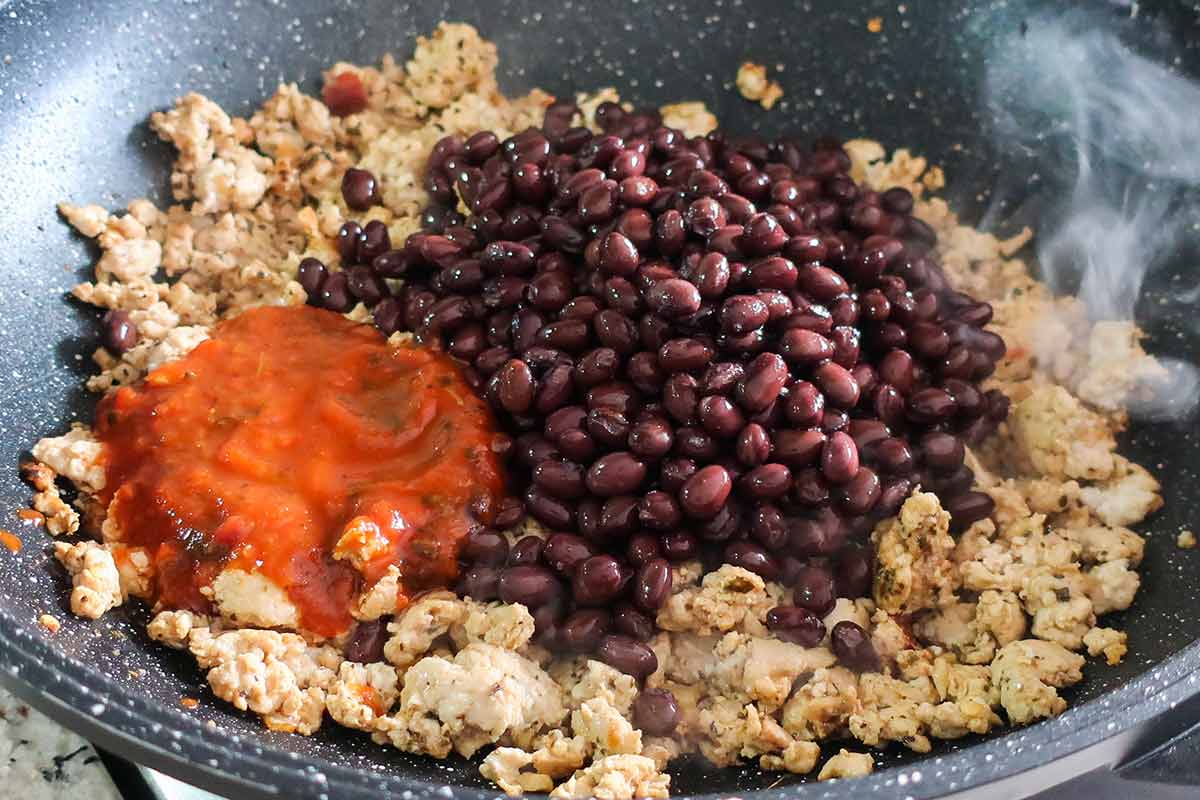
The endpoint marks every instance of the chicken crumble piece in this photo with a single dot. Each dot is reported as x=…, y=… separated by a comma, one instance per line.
x=752, y=84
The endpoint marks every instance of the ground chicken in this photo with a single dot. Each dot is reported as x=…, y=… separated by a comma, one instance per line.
x=362, y=694
x=604, y=729
x=420, y=625
x=728, y=598
x=846, y=765
x=94, y=575
x=619, y=777
x=501, y=624
x=1128, y=497
x=485, y=694
x=504, y=766
x=1107, y=642
x=253, y=600
x=1060, y=437
x=1028, y=674
x=913, y=550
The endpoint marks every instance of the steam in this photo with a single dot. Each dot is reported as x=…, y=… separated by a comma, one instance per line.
x=1123, y=130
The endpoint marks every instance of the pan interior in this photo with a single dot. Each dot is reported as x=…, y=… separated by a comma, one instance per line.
x=73, y=104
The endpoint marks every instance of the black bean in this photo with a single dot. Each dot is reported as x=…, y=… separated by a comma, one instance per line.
x=620, y=397
x=852, y=573
x=597, y=580
x=652, y=584
x=853, y=647
x=893, y=494
x=839, y=458
x=360, y=190
x=335, y=293
x=373, y=242
x=616, y=331
x=529, y=585
x=930, y=405
x=680, y=397
x=753, y=445
x=766, y=482
x=796, y=625
x=704, y=493
x=627, y=655
x=615, y=474
x=366, y=642
x=743, y=313
x=774, y=272
x=642, y=547
x=651, y=438
x=548, y=510
x=749, y=556
x=515, y=386
x=656, y=712
x=763, y=235
x=837, y=384
x=118, y=333
x=633, y=623
x=673, y=298
x=720, y=417
x=565, y=551
x=684, y=355
x=860, y=494
x=695, y=444
x=814, y=590
x=583, y=629
x=968, y=508
x=485, y=547
x=618, y=516
x=763, y=382
x=942, y=451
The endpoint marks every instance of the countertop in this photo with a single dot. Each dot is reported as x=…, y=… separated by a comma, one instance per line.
x=41, y=760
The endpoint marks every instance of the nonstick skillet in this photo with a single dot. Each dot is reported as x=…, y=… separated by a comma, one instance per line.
x=77, y=82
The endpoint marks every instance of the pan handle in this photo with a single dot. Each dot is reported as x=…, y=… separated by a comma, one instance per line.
x=1168, y=752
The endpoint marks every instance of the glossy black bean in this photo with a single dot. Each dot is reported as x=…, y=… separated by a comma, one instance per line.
x=615, y=330
x=968, y=508
x=618, y=517
x=684, y=355
x=485, y=547
x=763, y=382
x=859, y=495
x=853, y=647
x=720, y=417
x=768, y=527
x=753, y=445
x=696, y=444
x=335, y=293
x=583, y=629
x=747, y=555
x=616, y=395
x=651, y=439
x=550, y=511
x=529, y=585
x=839, y=458
x=656, y=712
x=774, y=272
x=360, y=190
x=565, y=551
x=704, y=493
x=652, y=584
x=837, y=384
x=796, y=625
x=629, y=621
x=711, y=275
x=743, y=313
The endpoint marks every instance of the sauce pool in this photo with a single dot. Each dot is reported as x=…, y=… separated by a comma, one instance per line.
x=302, y=446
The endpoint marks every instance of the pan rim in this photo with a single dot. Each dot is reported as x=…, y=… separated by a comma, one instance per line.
x=64, y=688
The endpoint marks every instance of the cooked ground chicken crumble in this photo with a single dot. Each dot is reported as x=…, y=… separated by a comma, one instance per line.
x=974, y=632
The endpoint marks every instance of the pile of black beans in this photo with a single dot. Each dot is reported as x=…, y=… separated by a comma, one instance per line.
x=709, y=347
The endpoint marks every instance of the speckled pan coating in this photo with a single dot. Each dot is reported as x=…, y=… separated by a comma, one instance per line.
x=77, y=81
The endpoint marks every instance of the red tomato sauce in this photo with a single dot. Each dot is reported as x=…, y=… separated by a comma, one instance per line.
x=290, y=430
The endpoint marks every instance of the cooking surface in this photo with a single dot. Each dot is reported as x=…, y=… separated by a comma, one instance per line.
x=82, y=100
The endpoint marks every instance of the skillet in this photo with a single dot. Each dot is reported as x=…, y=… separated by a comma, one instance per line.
x=77, y=82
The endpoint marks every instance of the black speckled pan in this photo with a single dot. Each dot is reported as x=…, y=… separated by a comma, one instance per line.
x=77, y=81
